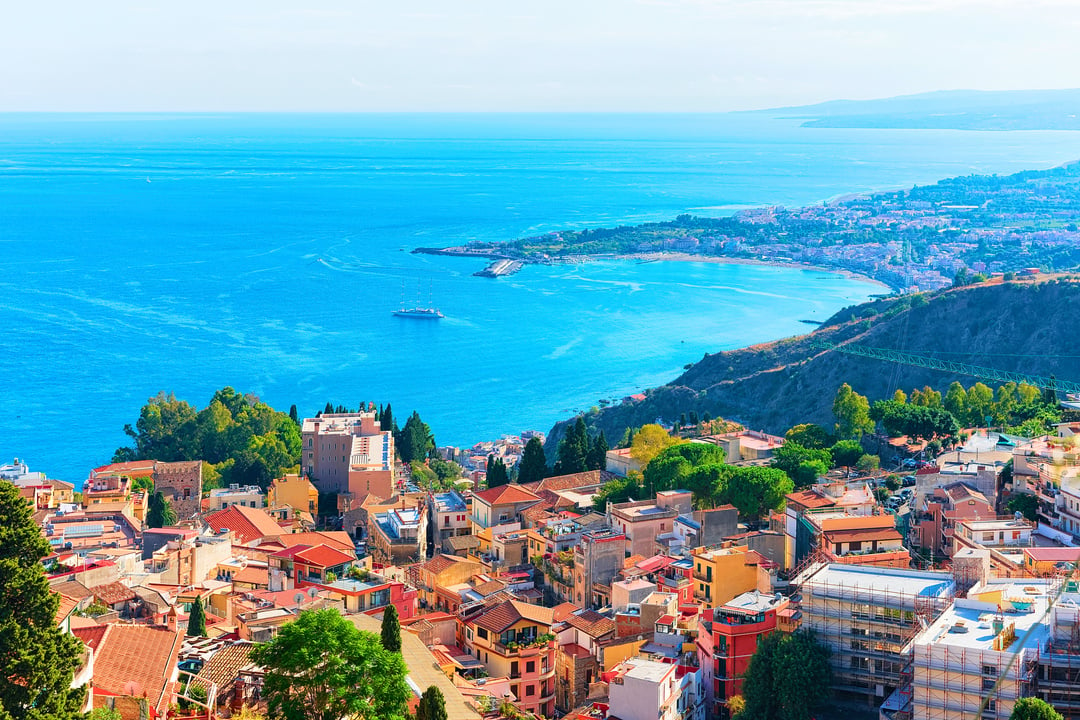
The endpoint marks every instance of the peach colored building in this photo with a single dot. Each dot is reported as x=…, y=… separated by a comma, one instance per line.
x=348, y=452
x=940, y=511
x=513, y=639
x=293, y=491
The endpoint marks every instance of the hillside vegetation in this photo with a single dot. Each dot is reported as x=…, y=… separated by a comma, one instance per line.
x=1026, y=327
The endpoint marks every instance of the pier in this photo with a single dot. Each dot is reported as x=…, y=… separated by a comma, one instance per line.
x=499, y=268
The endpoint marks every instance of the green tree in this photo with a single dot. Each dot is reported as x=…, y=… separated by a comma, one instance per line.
x=38, y=659
x=1033, y=708
x=496, y=472
x=852, y=412
x=294, y=414
x=619, y=490
x=432, y=705
x=956, y=400
x=810, y=436
x=899, y=396
x=754, y=491
x=597, y=456
x=320, y=667
x=391, y=629
x=533, y=465
x=415, y=441
x=1024, y=503
x=648, y=442
x=788, y=678
x=802, y=465
x=573, y=450
x=196, y=624
x=846, y=453
x=160, y=512
x=867, y=464
x=104, y=713
x=980, y=400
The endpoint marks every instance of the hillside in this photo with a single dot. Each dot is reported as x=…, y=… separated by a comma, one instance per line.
x=1026, y=327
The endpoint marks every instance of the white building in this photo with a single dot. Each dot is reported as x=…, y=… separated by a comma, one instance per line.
x=246, y=496
x=648, y=690
x=980, y=656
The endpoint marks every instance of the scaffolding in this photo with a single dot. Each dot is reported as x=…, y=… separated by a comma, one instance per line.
x=960, y=683
x=1059, y=668
x=869, y=617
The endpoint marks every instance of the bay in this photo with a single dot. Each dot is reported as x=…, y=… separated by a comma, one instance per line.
x=141, y=253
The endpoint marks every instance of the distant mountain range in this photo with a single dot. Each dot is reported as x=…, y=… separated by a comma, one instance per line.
x=947, y=110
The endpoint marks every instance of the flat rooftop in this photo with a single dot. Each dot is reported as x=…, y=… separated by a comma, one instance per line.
x=449, y=502
x=970, y=624
x=881, y=580
x=753, y=601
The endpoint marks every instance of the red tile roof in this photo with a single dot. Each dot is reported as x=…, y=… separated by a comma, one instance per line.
x=502, y=615
x=67, y=606
x=137, y=660
x=90, y=635
x=323, y=556
x=247, y=524
x=135, y=468
x=809, y=499
x=334, y=538
x=113, y=593
x=505, y=494
x=253, y=575
x=593, y=623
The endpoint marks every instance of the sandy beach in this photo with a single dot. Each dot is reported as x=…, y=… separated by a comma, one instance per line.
x=689, y=257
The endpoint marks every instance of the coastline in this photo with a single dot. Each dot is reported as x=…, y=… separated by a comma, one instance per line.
x=719, y=260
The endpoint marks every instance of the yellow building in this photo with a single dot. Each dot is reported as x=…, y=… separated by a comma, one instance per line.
x=720, y=574
x=294, y=491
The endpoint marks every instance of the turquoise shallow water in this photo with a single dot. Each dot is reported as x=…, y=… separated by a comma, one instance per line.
x=267, y=252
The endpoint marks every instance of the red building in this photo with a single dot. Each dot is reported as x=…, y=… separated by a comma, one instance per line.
x=735, y=629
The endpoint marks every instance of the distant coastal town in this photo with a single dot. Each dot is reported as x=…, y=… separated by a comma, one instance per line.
x=911, y=240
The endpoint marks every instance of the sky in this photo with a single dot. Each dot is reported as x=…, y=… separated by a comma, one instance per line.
x=521, y=55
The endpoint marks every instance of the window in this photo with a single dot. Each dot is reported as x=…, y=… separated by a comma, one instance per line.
x=515, y=669
x=530, y=690
x=482, y=633
x=990, y=670
x=530, y=667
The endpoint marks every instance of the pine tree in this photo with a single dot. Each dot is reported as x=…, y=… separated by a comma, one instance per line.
x=391, y=629
x=196, y=624
x=39, y=659
x=386, y=418
x=533, y=465
x=432, y=705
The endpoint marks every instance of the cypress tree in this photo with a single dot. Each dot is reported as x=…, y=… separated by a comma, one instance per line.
x=196, y=624
x=160, y=513
x=391, y=629
x=39, y=659
x=432, y=705
x=533, y=464
x=598, y=453
x=496, y=472
x=294, y=414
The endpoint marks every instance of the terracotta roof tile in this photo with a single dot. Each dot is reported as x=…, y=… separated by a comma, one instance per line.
x=136, y=660
x=67, y=606
x=247, y=524
x=225, y=665
x=112, y=593
x=591, y=623
x=72, y=588
x=324, y=556
x=505, y=494
x=91, y=635
x=500, y=616
x=439, y=563
x=336, y=539
x=810, y=499
x=253, y=575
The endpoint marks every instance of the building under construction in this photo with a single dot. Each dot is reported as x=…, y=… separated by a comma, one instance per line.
x=869, y=618
x=981, y=656
x=1058, y=681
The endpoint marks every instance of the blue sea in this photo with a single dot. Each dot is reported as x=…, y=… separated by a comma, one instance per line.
x=184, y=253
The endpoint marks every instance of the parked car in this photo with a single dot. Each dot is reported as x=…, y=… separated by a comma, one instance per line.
x=909, y=481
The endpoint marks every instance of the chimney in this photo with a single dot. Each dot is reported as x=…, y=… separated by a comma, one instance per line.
x=238, y=695
x=171, y=619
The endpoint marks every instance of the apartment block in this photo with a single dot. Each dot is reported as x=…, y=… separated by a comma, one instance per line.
x=348, y=453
